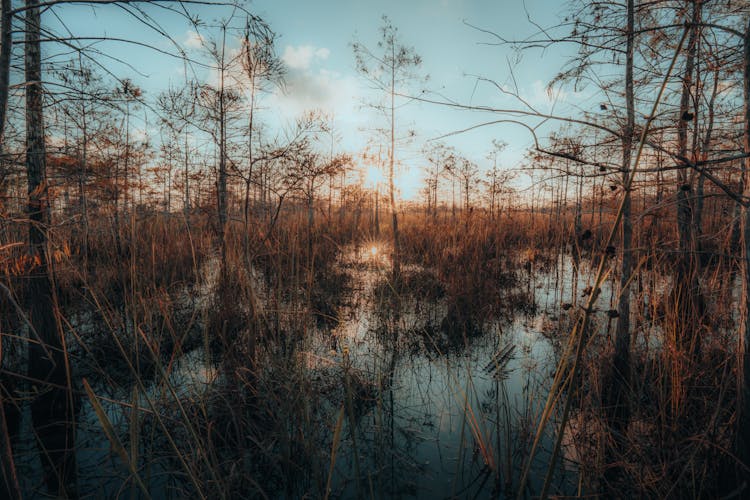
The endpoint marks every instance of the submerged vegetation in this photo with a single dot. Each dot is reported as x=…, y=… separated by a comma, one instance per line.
x=198, y=301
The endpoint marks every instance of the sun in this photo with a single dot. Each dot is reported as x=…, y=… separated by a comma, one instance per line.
x=375, y=254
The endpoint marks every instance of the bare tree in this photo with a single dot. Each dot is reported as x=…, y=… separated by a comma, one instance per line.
x=86, y=104
x=442, y=160
x=178, y=110
x=218, y=105
x=742, y=441
x=53, y=410
x=389, y=69
x=6, y=44
x=494, y=176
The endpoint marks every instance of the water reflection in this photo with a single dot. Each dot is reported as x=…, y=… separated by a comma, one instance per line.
x=439, y=399
x=442, y=424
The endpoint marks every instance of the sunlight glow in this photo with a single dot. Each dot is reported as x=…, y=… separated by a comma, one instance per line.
x=374, y=253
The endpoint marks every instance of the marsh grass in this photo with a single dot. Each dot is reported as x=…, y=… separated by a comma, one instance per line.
x=298, y=374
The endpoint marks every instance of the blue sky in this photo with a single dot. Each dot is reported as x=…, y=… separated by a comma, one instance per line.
x=314, y=40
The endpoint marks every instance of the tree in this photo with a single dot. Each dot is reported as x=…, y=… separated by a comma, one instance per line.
x=254, y=170
x=495, y=179
x=6, y=42
x=468, y=172
x=616, y=391
x=86, y=104
x=177, y=108
x=442, y=160
x=126, y=95
x=53, y=410
x=217, y=105
x=686, y=294
x=8, y=426
x=312, y=169
x=391, y=68
x=261, y=68
x=742, y=440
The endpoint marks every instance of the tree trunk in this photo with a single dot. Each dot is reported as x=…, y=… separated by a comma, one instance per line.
x=685, y=301
x=705, y=145
x=53, y=410
x=82, y=190
x=616, y=387
x=453, y=197
x=742, y=442
x=221, y=184
x=377, y=211
x=6, y=41
x=391, y=185
x=435, y=195
x=8, y=415
x=221, y=181
x=466, y=186
x=310, y=225
x=616, y=401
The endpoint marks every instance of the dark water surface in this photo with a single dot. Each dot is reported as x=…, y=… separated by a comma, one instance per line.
x=433, y=416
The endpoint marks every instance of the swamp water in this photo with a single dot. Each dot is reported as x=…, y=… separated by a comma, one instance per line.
x=429, y=416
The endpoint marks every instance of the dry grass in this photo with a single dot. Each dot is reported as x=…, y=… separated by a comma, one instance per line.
x=269, y=422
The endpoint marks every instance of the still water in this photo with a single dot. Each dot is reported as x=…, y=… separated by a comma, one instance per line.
x=422, y=411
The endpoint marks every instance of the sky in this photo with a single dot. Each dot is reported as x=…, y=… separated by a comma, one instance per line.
x=314, y=42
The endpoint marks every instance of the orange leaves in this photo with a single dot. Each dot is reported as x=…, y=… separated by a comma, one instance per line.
x=27, y=262
x=20, y=265
x=60, y=254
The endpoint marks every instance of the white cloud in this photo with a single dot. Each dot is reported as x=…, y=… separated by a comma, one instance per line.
x=325, y=90
x=193, y=40
x=139, y=134
x=302, y=56
x=309, y=86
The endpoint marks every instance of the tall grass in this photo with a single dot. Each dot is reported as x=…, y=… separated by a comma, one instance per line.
x=284, y=406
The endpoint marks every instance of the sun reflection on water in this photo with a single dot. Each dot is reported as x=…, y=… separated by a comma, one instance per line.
x=375, y=253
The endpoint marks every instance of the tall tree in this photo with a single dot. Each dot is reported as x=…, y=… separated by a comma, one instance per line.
x=86, y=105
x=8, y=426
x=442, y=160
x=53, y=410
x=6, y=42
x=177, y=107
x=261, y=68
x=742, y=440
x=686, y=295
x=616, y=389
x=389, y=69
x=218, y=105
x=495, y=179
